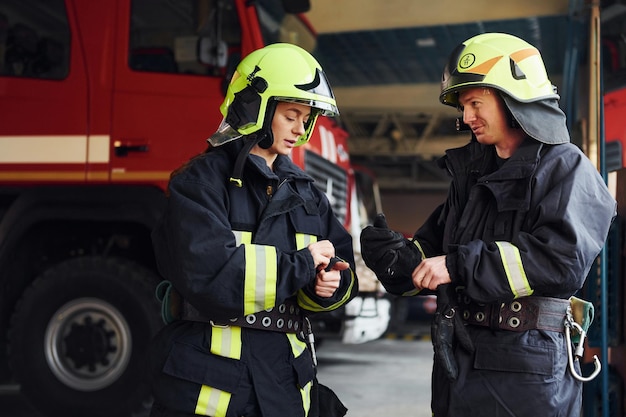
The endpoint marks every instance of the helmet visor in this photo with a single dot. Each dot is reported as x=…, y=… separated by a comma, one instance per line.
x=324, y=108
x=224, y=134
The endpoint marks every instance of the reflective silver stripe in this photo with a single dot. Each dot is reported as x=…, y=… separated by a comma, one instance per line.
x=515, y=274
x=260, y=278
x=303, y=240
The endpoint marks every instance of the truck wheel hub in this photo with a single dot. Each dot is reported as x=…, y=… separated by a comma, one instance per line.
x=87, y=344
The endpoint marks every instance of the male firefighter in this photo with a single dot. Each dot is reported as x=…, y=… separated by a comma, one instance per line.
x=525, y=217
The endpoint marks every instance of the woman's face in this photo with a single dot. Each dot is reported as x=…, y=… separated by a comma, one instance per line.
x=288, y=125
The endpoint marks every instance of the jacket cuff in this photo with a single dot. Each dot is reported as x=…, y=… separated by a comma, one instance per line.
x=452, y=259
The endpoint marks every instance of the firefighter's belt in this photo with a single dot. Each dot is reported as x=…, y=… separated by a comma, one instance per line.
x=286, y=317
x=519, y=315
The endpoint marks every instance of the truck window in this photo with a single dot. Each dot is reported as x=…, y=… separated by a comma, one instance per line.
x=280, y=26
x=34, y=39
x=165, y=35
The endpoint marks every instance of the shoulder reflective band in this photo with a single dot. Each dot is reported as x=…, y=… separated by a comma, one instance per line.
x=212, y=402
x=512, y=263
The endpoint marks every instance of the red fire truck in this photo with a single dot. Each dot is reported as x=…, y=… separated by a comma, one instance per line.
x=99, y=102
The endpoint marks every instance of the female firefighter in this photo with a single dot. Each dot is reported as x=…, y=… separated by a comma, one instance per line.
x=525, y=217
x=252, y=247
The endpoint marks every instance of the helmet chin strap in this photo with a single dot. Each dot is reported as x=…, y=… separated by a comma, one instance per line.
x=249, y=142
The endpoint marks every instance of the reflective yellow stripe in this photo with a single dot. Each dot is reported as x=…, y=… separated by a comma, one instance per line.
x=411, y=293
x=242, y=237
x=297, y=348
x=297, y=345
x=303, y=240
x=419, y=247
x=226, y=341
x=261, y=274
x=515, y=274
x=212, y=402
x=306, y=397
x=260, y=278
x=307, y=303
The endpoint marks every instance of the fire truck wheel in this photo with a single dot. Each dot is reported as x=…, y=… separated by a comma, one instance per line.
x=79, y=335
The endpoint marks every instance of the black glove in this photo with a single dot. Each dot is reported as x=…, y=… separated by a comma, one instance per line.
x=447, y=330
x=390, y=255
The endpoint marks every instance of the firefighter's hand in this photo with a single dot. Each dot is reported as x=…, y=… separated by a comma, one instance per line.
x=448, y=331
x=322, y=252
x=390, y=255
x=431, y=273
x=380, y=246
x=328, y=278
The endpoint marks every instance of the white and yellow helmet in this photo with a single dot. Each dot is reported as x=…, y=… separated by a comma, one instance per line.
x=514, y=68
x=500, y=61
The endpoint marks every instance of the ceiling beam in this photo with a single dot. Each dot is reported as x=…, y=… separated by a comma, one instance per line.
x=414, y=97
x=332, y=16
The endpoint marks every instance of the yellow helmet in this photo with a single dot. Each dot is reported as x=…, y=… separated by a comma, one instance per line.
x=500, y=61
x=277, y=72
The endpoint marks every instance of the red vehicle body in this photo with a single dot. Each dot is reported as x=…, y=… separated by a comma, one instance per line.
x=99, y=102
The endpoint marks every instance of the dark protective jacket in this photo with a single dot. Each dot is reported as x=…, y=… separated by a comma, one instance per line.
x=530, y=226
x=233, y=251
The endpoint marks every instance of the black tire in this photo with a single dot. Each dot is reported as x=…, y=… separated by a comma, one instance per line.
x=79, y=335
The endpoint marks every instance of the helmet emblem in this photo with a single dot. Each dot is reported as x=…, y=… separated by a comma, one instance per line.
x=467, y=61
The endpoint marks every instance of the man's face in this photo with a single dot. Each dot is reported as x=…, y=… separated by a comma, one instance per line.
x=484, y=112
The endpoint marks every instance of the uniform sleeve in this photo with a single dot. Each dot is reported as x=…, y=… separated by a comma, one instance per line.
x=342, y=241
x=565, y=229
x=199, y=253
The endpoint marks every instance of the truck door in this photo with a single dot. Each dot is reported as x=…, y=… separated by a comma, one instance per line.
x=43, y=94
x=166, y=102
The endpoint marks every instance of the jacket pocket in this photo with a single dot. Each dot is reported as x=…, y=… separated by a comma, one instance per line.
x=303, y=367
x=304, y=223
x=190, y=363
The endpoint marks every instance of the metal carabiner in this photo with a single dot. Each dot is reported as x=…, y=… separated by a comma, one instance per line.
x=572, y=358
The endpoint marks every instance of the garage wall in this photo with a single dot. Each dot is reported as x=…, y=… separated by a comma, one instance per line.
x=406, y=212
